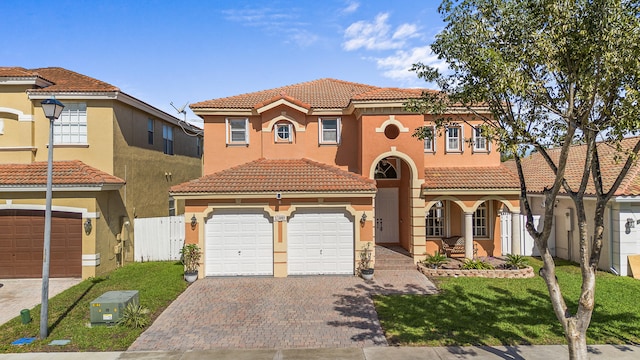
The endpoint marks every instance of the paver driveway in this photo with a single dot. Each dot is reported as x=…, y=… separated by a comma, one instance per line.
x=277, y=313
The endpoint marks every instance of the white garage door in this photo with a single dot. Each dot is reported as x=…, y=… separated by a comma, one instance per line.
x=320, y=242
x=238, y=243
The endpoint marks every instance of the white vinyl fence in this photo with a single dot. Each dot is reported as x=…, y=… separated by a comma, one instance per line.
x=527, y=244
x=159, y=238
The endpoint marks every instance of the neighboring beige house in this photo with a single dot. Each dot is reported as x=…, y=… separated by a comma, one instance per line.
x=115, y=158
x=621, y=219
x=299, y=179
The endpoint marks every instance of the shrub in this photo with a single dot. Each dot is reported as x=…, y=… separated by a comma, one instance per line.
x=134, y=316
x=476, y=264
x=516, y=262
x=436, y=260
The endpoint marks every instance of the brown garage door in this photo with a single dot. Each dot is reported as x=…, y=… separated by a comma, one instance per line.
x=22, y=238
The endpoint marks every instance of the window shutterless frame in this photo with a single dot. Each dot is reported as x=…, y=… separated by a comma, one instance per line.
x=329, y=131
x=237, y=131
x=454, y=139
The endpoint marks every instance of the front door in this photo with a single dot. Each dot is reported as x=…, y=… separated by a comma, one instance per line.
x=387, y=216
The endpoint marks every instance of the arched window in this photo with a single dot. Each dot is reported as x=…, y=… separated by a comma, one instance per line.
x=386, y=169
x=283, y=132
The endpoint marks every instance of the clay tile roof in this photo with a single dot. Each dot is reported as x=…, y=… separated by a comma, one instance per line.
x=262, y=175
x=390, y=94
x=538, y=175
x=284, y=97
x=15, y=72
x=319, y=94
x=486, y=177
x=65, y=173
x=69, y=81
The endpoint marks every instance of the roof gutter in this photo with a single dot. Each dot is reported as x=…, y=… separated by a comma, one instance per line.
x=65, y=188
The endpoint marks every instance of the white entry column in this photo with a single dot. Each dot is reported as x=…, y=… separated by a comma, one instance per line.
x=468, y=235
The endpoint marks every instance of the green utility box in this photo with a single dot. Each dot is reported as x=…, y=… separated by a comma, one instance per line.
x=108, y=308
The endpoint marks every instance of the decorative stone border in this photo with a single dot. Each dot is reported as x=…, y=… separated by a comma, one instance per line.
x=500, y=273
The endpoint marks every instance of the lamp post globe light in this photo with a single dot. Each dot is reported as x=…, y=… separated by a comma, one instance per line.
x=52, y=110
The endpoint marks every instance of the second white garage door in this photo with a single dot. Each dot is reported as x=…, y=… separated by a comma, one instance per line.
x=320, y=242
x=238, y=243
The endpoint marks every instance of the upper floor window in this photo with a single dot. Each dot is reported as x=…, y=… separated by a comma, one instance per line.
x=435, y=220
x=237, y=131
x=480, y=143
x=71, y=126
x=283, y=133
x=480, y=221
x=167, y=139
x=150, y=129
x=329, y=131
x=454, y=139
x=429, y=141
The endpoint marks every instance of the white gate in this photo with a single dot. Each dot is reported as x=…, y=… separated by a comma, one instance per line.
x=159, y=238
x=505, y=231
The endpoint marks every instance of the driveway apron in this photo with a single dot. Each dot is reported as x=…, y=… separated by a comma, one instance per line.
x=277, y=313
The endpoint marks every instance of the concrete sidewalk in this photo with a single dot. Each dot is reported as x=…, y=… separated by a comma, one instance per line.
x=538, y=352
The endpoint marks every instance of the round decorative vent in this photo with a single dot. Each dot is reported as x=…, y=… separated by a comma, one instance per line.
x=391, y=131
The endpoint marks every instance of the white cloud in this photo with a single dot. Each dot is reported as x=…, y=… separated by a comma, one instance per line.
x=352, y=6
x=276, y=22
x=397, y=66
x=377, y=35
x=303, y=38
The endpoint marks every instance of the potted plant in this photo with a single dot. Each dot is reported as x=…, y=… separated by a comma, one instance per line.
x=364, y=265
x=190, y=255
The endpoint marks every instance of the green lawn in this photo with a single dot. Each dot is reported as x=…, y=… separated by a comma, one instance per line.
x=477, y=311
x=159, y=283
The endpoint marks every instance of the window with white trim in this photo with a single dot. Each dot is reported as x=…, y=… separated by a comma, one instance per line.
x=283, y=133
x=454, y=139
x=150, y=131
x=429, y=141
x=329, y=131
x=480, y=142
x=71, y=126
x=480, y=228
x=435, y=220
x=237, y=131
x=167, y=139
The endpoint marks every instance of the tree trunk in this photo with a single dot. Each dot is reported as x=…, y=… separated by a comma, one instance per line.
x=577, y=341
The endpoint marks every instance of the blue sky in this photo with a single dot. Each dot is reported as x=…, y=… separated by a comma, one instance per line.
x=189, y=51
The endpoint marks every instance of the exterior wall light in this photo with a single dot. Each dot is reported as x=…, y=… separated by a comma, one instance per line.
x=87, y=226
x=194, y=222
x=363, y=219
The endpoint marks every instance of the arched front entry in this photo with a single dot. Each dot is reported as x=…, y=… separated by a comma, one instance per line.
x=398, y=194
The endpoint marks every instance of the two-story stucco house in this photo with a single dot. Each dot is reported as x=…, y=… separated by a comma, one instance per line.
x=115, y=158
x=298, y=179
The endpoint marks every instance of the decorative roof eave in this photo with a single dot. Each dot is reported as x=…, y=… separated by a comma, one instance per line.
x=473, y=191
x=400, y=104
x=297, y=105
x=272, y=195
x=29, y=80
x=65, y=188
x=112, y=95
